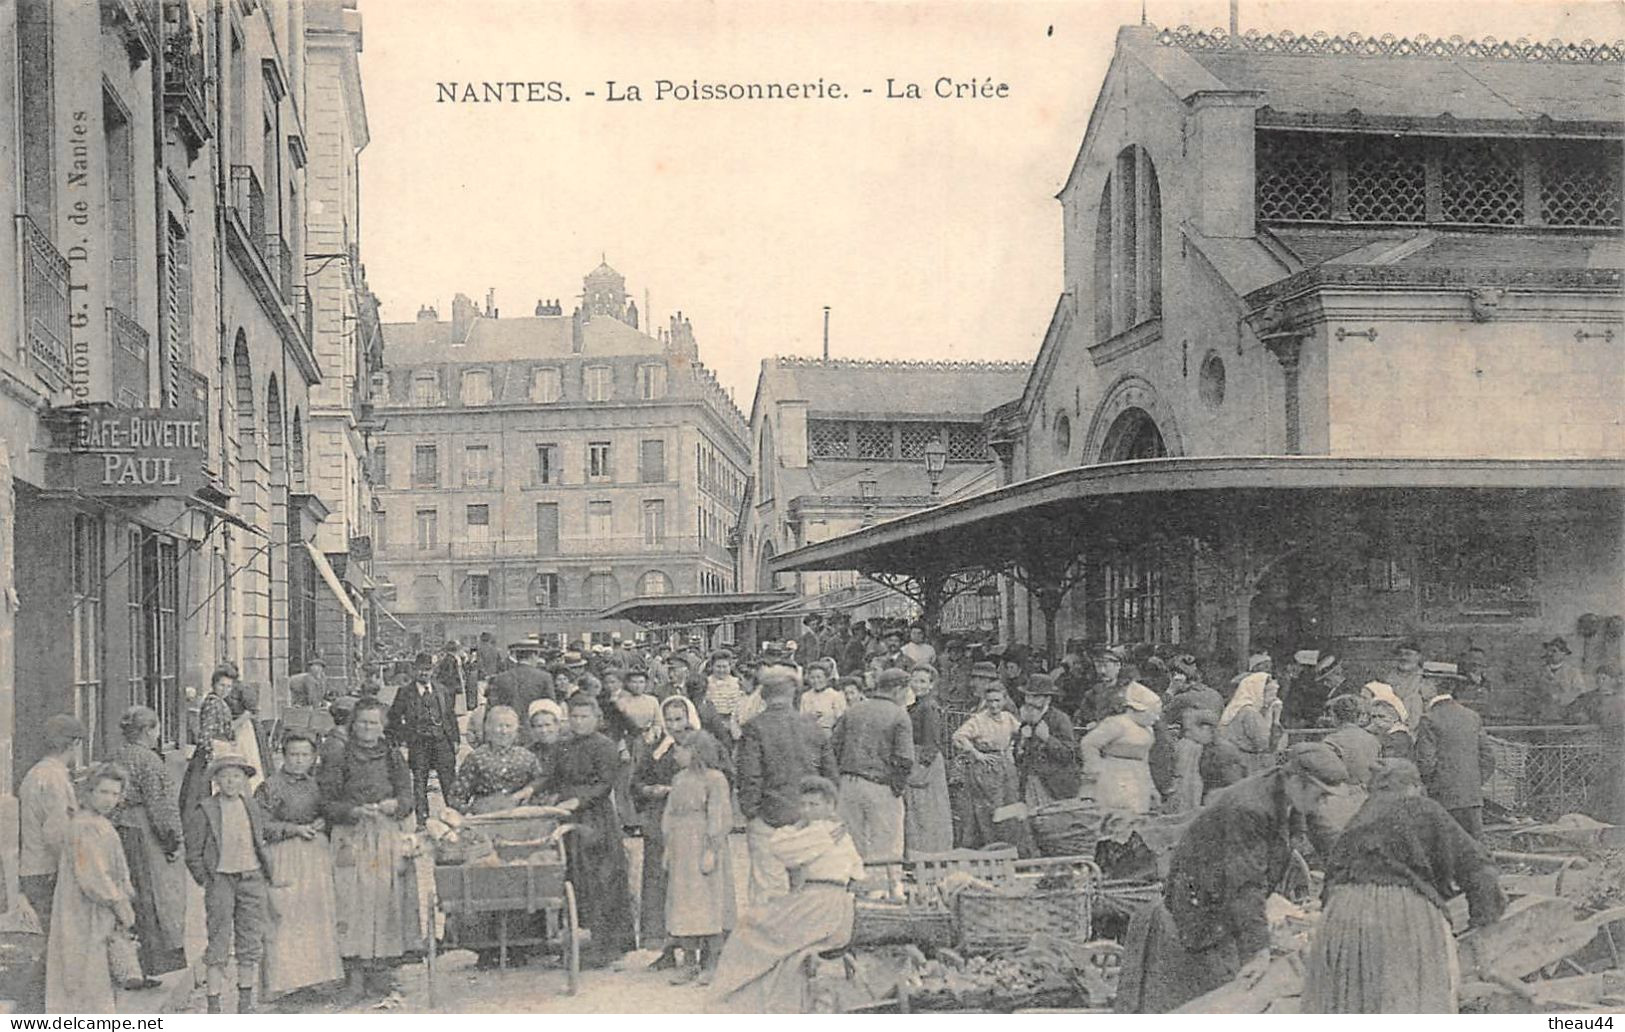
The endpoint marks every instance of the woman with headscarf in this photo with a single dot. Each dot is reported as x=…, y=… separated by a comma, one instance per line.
x=148, y=819
x=545, y=720
x=651, y=784
x=928, y=822
x=1388, y=720
x=1383, y=945
x=1252, y=721
x=1115, y=754
x=499, y=774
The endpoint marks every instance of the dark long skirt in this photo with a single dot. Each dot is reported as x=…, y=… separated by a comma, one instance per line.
x=597, y=868
x=652, y=893
x=160, y=902
x=1159, y=974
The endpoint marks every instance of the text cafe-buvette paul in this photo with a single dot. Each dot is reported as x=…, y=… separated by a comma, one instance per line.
x=104, y=450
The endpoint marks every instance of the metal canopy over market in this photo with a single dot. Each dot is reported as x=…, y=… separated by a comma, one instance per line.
x=678, y=610
x=1252, y=511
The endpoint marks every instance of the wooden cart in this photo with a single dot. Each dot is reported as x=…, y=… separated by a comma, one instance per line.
x=525, y=877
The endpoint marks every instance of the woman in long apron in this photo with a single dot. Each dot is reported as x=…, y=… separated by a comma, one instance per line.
x=366, y=794
x=928, y=823
x=302, y=947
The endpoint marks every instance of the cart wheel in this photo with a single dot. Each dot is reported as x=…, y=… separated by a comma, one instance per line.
x=572, y=941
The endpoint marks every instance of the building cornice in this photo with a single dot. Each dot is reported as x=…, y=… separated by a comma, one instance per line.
x=1419, y=46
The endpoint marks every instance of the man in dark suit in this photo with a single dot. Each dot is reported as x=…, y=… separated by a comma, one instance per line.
x=423, y=719
x=1452, y=750
x=519, y=686
x=1046, y=746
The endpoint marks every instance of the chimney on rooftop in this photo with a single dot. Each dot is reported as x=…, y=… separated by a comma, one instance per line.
x=462, y=317
x=490, y=302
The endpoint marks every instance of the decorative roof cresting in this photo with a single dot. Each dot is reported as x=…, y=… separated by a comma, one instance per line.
x=937, y=365
x=1355, y=45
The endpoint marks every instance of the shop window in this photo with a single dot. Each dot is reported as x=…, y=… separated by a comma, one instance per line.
x=88, y=626
x=154, y=598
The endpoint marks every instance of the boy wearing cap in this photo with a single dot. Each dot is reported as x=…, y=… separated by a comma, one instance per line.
x=225, y=852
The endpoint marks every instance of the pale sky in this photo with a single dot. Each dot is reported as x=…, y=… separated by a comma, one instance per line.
x=930, y=227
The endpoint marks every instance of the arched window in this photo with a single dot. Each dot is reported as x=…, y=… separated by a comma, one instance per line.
x=654, y=583
x=1063, y=435
x=1133, y=435
x=1128, y=246
x=602, y=590
x=769, y=462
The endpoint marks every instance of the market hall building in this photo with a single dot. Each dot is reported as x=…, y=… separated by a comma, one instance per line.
x=1337, y=362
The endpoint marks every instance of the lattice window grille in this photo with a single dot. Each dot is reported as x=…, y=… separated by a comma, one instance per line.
x=1482, y=183
x=967, y=443
x=1387, y=180
x=915, y=438
x=875, y=441
x=830, y=439
x=1294, y=177
x=1580, y=183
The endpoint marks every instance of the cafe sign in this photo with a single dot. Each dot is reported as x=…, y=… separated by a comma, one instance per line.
x=150, y=452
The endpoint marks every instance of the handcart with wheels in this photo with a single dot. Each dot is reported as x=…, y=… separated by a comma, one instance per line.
x=501, y=883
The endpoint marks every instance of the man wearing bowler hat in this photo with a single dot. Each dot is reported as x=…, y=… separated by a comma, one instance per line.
x=1046, y=746
x=423, y=718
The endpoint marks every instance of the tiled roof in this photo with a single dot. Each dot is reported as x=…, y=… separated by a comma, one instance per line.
x=1416, y=78
x=495, y=340
x=849, y=388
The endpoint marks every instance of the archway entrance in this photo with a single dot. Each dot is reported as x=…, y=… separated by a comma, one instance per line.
x=1133, y=435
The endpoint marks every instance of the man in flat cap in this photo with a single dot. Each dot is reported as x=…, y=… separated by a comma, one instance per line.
x=874, y=751
x=1210, y=926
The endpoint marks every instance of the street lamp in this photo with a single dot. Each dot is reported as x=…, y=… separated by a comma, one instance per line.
x=936, y=460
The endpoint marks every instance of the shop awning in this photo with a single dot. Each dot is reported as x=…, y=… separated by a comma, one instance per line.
x=840, y=600
x=358, y=623
x=669, y=610
x=1129, y=501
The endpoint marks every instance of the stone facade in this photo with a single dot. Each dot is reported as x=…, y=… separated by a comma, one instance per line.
x=604, y=462
x=1250, y=271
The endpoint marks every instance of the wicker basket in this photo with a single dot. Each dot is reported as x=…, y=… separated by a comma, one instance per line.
x=1068, y=828
x=876, y=924
x=993, y=921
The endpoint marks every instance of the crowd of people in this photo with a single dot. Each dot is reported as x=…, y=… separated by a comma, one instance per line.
x=845, y=746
